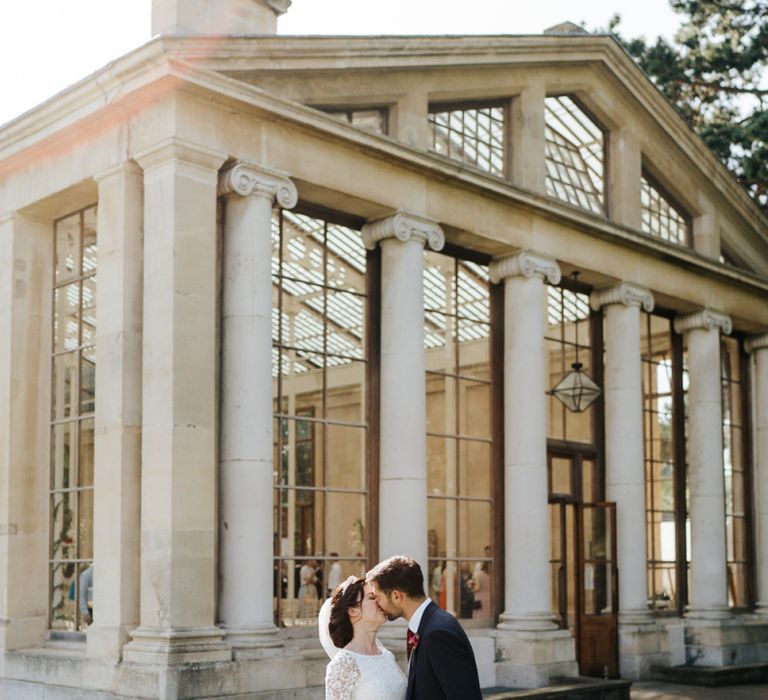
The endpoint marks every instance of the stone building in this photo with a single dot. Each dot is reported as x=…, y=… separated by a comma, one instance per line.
x=273, y=308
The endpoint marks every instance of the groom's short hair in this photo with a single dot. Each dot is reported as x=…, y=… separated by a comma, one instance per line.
x=398, y=573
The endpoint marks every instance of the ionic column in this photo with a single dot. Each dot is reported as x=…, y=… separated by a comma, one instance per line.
x=708, y=597
x=527, y=594
x=117, y=475
x=403, y=452
x=624, y=454
x=246, y=450
x=757, y=346
x=179, y=460
x=26, y=285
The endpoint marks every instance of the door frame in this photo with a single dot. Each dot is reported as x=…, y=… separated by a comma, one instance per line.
x=578, y=454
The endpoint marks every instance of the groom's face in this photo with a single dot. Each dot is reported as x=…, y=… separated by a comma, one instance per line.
x=388, y=603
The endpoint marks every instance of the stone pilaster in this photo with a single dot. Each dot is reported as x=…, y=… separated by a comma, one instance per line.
x=757, y=346
x=117, y=476
x=708, y=596
x=402, y=457
x=640, y=643
x=179, y=461
x=528, y=167
x=529, y=644
x=246, y=450
x=26, y=247
x=623, y=178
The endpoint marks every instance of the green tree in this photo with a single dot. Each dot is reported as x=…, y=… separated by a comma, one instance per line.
x=714, y=72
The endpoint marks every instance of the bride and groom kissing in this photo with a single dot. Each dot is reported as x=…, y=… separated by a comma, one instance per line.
x=441, y=663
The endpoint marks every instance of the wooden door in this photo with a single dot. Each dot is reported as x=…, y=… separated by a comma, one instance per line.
x=598, y=605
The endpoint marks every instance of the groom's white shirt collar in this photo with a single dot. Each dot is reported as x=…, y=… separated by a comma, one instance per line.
x=415, y=621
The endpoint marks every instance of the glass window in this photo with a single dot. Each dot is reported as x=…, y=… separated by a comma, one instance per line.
x=459, y=438
x=734, y=472
x=473, y=134
x=661, y=216
x=575, y=155
x=567, y=339
x=319, y=368
x=663, y=374
x=73, y=403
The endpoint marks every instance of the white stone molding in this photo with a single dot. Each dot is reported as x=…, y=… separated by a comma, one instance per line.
x=706, y=319
x=404, y=227
x=245, y=179
x=623, y=293
x=756, y=342
x=526, y=264
x=174, y=148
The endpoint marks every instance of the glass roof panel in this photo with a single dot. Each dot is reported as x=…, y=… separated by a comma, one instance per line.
x=574, y=155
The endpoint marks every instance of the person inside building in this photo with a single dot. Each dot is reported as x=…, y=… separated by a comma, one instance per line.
x=85, y=602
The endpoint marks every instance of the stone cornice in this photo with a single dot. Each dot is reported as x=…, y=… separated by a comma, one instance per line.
x=245, y=179
x=177, y=149
x=756, y=342
x=624, y=293
x=138, y=76
x=526, y=264
x=114, y=80
x=337, y=53
x=404, y=227
x=706, y=319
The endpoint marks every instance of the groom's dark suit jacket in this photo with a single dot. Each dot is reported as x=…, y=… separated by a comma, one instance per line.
x=443, y=664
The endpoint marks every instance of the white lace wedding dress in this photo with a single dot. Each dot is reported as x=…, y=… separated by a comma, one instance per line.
x=353, y=676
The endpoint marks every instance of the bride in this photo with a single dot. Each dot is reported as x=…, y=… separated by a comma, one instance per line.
x=360, y=667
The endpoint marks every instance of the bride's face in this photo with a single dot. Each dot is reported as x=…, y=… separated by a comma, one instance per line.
x=371, y=613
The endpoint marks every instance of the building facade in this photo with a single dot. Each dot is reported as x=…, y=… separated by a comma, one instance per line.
x=274, y=308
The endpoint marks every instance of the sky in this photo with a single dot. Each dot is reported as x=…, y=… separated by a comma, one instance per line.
x=47, y=45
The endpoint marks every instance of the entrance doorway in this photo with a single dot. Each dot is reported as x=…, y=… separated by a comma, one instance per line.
x=583, y=561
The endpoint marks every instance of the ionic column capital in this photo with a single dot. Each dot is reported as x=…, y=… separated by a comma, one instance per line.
x=404, y=227
x=246, y=179
x=624, y=293
x=526, y=264
x=706, y=319
x=756, y=342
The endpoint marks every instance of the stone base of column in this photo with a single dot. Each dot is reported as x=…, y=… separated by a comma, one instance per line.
x=642, y=643
x=164, y=647
x=711, y=641
x=532, y=658
x=107, y=641
x=253, y=642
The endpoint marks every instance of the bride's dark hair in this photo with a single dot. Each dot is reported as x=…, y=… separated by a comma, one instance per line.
x=346, y=596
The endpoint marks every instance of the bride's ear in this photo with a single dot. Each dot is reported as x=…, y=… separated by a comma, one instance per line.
x=354, y=614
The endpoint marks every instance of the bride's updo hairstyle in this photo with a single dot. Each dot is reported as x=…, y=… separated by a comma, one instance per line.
x=346, y=596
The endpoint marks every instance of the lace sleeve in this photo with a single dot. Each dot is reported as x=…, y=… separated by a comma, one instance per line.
x=342, y=676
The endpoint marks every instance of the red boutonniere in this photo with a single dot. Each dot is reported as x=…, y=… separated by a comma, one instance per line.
x=413, y=642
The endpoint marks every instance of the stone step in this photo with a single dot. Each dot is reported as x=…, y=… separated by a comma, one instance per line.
x=566, y=689
x=712, y=676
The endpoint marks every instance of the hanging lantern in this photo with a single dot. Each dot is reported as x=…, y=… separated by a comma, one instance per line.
x=576, y=390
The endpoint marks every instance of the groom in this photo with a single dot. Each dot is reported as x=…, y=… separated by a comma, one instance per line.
x=441, y=663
